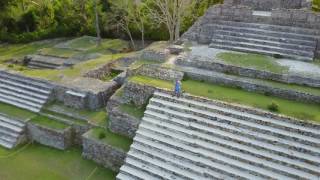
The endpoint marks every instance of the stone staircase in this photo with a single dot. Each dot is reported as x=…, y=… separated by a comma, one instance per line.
x=23, y=92
x=195, y=138
x=45, y=62
x=12, y=132
x=288, y=42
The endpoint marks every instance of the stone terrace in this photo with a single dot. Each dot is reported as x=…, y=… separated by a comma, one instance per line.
x=281, y=32
x=195, y=138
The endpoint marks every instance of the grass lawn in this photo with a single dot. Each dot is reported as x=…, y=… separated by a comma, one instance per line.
x=256, y=61
x=76, y=71
x=304, y=111
x=58, y=52
x=98, y=117
x=133, y=110
x=47, y=122
x=16, y=112
x=110, y=138
x=37, y=162
x=21, y=50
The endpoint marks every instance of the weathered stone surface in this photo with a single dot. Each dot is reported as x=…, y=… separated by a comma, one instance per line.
x=158, y=72
x=219, y=66
x=139, y=94
x=155, y=55
x=175, y=49
x=263, y=5
x=122, y=123
x=102, y=153
x=251, y=85
x=60, y=139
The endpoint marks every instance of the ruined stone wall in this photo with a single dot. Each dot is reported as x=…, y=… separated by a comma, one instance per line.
x=122, y=123
x=248, y=72
x=267, y=5
x=60, y=139
x=157, y=72
x=251, y=86
x=102, y=153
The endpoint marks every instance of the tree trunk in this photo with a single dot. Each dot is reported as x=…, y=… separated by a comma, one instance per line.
x=97, y=23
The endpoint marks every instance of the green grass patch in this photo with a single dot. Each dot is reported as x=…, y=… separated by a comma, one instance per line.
x=133, y=110
x=20, y=50
x=304, y=111
x=37, y=162
x=57, y=52
x=15, y=112
x=152, y=82
x=98, y=117
x=256, y=61
x=47, y=122
x=112, y=75
x=110, y=138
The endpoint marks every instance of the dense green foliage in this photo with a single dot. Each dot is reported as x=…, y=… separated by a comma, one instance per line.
x=26, y=20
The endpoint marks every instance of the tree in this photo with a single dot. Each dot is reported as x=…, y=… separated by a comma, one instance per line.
x=170, y=13
x=97, y=23
x=122, y=17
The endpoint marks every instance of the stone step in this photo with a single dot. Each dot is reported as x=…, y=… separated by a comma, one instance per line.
x=222, y=164
x=221, y=121
x=20, y=105
x=22, y=96
x=235, y=146
x=241, y=114
x=169, y=170
x=290, y=29
x=241, y=123
x=126, y=176
x=266, y=38
x=239, y=38
x=23, y=91
x=239, y=119
x=25, y=81
x=42, y=65
x=224, y=132
x=46, y=63
x=11, y=128
x=181, y=158
x=136, y=172
x=19, y=100
x=6, y=144
x=189, y=169
x=279, y=50
x=8, y=133
x=258, y=31
x=24, y=86
x=256, y=51
x=146, y=171
x=11, y=121
x=198, y=136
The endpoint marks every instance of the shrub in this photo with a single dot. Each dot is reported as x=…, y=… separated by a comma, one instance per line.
x=277, y=56
x=101, y=135
x=274, y=107
x=10, y=66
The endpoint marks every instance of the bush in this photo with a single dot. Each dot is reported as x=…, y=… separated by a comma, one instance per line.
x=274, y=107
x=101, y=135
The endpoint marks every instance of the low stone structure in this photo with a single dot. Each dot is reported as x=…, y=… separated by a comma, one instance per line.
x=220, y=139
x=158, y=72
x=219, y=66
x=102, y=153
x=123, y=123
x=153, y=55
x=60, y=139
x=239, y=28
x=271, y=4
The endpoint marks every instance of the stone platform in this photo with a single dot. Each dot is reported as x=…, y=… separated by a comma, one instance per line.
x=196, y=138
